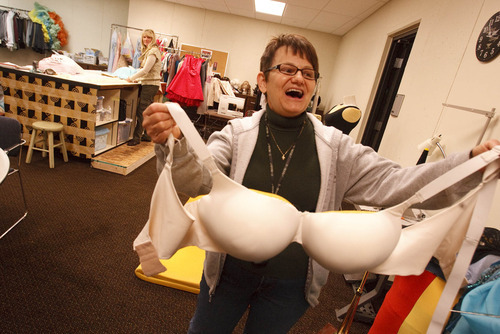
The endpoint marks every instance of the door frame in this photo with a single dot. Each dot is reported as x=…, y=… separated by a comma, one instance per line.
x=401, y=33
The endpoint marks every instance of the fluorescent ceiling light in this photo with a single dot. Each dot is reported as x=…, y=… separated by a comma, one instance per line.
x=269, y=7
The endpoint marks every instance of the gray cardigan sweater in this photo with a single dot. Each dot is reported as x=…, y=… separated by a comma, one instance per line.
x=349, y=172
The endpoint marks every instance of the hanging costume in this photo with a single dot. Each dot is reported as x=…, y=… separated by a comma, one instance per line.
x=113, y=50
x=185, y=87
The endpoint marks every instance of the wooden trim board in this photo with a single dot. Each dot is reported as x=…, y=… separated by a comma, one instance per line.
x=124, y=159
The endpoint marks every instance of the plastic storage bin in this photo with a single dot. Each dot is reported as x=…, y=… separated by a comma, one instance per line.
x=101, y=138
x=124, y=130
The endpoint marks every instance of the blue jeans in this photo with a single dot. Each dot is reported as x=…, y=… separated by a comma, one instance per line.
x=275, y=304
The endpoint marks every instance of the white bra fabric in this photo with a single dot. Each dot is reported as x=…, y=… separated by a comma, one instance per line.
x=223, y=221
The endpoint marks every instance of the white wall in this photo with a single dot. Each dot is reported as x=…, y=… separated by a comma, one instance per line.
x=88, y=23
x=244, y=38
x=442, y=68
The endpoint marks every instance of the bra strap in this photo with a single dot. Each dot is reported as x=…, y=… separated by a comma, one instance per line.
x=455, y=175
x=189, y=131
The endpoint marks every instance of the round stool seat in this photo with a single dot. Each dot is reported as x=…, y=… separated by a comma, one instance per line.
x=47, y=126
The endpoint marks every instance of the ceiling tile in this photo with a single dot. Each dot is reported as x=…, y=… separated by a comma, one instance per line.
x=328, y=21
x=331, y=16
x=267, y=17
x=346, y=27
x=242, y=12
x=300, y=13
x=241, y=4
x=314, y=4
x=213, y=2
x=349, y=7
x=369, y=11
x=192, y=3
x=333, y=19
x=218, y=7
x=295, y=22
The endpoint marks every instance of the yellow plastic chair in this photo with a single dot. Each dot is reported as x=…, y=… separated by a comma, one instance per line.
x=184, y=270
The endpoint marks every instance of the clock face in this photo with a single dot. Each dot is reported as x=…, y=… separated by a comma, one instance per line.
x=488, y=42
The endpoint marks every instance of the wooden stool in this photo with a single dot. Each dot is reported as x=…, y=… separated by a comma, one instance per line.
x=47, y=129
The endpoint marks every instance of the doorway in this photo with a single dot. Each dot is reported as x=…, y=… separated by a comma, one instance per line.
x=383, y=102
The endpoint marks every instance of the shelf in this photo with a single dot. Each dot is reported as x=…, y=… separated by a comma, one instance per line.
x=101, y=123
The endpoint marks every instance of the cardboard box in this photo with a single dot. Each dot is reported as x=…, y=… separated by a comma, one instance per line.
x=89, y=59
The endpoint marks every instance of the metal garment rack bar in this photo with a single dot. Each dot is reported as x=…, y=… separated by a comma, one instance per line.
x=488, y=113
x=15, y=9
x=206, y=57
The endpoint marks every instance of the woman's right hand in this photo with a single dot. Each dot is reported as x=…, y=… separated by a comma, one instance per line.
x=159, y=124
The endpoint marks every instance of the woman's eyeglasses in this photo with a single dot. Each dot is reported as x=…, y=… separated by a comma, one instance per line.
x=291, y=70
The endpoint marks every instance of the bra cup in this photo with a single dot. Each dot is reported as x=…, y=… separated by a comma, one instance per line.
x=247, y=225
x=350, y=242
x=168, y=235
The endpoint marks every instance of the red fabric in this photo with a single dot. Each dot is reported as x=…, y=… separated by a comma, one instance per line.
x=399, y=301
x=185, y=87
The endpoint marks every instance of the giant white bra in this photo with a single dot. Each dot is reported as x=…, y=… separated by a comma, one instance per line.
x=253, y=226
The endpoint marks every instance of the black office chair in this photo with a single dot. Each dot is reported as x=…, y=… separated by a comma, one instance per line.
x=11, y=143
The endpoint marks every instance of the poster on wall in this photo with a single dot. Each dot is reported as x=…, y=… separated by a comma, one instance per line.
x=206, y=54
x=217, y=59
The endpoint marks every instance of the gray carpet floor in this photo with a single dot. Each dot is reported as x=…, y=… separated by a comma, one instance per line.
x=69, y=266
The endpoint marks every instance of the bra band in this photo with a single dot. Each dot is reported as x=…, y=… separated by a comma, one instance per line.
x=455, y=175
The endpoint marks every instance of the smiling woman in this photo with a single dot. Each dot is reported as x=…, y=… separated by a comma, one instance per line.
x=286, y=151
x=289, y=70
x=287, y=95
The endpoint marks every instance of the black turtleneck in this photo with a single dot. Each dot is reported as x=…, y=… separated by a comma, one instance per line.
x=300, y=184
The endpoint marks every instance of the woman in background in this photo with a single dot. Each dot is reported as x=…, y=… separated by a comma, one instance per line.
x=149, y=77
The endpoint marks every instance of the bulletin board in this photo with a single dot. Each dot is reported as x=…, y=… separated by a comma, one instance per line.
x=218, y=59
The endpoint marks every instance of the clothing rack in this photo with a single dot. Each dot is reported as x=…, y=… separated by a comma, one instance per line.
x=15, y=9
x=207, y=57
x=158, y=34
x=135, y=31
x=27, y=40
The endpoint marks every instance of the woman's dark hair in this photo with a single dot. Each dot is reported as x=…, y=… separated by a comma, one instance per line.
x=297, y=43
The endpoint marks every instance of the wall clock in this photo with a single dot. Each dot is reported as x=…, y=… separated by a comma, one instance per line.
x=488, y=42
